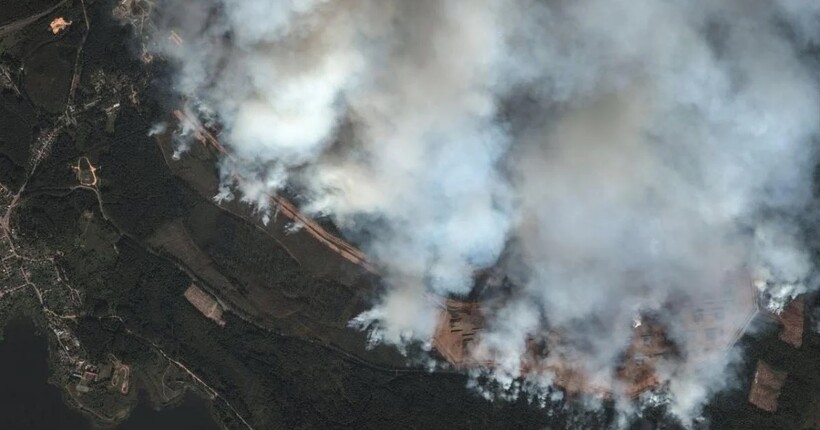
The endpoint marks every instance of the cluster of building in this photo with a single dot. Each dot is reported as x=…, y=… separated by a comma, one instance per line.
x=115, y=373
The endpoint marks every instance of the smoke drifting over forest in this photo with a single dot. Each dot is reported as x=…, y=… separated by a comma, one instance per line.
x=612, y=156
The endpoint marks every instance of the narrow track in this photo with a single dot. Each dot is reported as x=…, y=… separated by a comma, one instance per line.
x=334, y=243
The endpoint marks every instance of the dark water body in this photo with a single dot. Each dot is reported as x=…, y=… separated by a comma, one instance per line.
x=28, y=401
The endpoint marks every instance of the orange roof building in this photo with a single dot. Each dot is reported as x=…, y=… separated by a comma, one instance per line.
x=59, y=24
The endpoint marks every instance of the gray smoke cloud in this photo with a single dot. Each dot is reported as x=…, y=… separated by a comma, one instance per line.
x=612, y=156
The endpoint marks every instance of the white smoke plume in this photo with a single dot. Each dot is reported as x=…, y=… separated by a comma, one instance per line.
x=620, y=154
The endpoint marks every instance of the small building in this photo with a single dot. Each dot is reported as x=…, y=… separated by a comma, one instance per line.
x=58, y=25
x=89, y=376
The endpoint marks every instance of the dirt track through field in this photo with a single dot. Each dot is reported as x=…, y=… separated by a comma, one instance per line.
x=336, y=244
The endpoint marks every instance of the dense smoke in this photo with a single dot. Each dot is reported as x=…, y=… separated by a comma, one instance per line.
x=611, y=156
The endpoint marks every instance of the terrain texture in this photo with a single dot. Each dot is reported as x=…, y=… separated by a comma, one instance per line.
x=145, y=285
